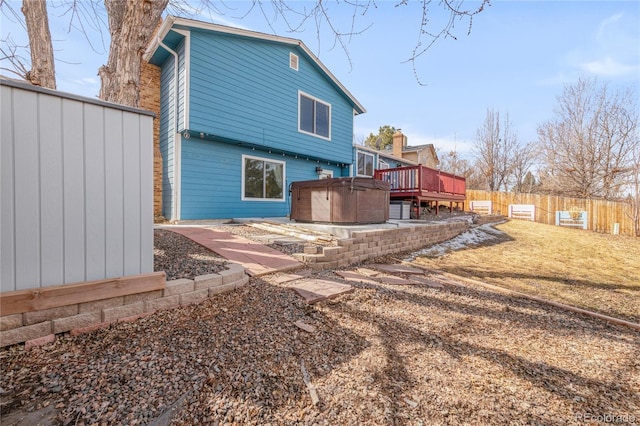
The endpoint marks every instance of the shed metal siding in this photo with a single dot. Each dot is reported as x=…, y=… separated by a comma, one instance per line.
x=77, y=199
x=244, y=89
x=211, y=183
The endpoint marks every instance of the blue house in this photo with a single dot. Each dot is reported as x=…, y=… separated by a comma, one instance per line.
x=242, y=115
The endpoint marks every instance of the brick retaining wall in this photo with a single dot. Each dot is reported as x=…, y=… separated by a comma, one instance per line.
x=367, y=244
x=40, y=327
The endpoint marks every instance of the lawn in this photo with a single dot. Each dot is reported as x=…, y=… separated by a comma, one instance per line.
x=593, y=271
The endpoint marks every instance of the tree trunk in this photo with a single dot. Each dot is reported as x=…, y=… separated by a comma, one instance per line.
x=43, y=70
x=131, y=24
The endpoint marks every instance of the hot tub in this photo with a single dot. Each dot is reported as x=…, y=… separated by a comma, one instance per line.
x=340, y=200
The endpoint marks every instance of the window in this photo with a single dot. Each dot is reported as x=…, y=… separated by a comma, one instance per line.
x=382, y=165
x=262, y=179
x=365, y=164
x=293, y=61
x=314, y=116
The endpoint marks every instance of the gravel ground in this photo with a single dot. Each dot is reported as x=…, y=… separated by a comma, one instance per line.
x=380, y=355
x=181, y=257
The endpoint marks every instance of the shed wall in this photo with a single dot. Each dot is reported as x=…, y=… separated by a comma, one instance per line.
x=77, y=189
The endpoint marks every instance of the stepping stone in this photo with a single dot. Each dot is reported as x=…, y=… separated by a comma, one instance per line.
x=355, y=277
x=368, y=272
x=426, y=281
x=313, y=290
x=398, y=269
x=388, y=279
x=450, y=282
x=283, y=278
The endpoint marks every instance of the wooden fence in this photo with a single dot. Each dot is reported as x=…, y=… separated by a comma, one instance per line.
x=602, y=215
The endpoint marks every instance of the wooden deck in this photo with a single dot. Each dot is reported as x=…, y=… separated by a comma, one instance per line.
x=424, y=185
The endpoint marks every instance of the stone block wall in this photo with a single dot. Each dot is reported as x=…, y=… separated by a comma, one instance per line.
x=40, y=327
x=368, y=244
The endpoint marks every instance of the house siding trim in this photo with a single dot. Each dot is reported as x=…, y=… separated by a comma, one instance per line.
x=186, y=82
x=177, y=170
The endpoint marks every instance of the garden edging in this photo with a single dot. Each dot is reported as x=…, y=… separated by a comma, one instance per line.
x=39, y=327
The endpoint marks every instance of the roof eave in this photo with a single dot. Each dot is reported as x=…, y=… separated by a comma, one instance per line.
x=171, y=20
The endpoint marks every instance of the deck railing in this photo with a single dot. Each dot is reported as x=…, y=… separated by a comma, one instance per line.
x=421, y=179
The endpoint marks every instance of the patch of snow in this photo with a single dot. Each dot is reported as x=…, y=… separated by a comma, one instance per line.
x=471, y=238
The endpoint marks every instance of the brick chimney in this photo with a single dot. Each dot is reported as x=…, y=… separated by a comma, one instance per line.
x=399, y=142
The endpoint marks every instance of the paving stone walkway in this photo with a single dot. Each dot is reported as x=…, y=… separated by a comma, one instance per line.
x=257, y=259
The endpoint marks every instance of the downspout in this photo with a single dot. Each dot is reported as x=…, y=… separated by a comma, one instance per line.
x=175, y=207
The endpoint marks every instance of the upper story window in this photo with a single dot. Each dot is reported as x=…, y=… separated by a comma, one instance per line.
x=293, y=61
x=314, y=116
x=364, y=166
x=262, y=179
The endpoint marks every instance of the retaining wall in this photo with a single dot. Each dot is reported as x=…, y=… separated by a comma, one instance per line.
x=40, y=326
x=368, y=244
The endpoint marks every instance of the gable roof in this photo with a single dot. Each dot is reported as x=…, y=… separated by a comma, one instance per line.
x=385, y=154
x=171, y=21
x=418, y=148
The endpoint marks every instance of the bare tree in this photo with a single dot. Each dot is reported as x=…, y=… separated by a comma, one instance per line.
x=131, y=23
x=524, y=157
x=587, y=147
x=495, y=148
x=452, y=162
x=633, y=198
x=43, y=71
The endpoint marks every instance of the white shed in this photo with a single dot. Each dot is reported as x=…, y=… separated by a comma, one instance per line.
x=76, y=182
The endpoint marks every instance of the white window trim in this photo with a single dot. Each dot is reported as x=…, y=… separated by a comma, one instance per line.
x=284, y=179
x=300, y=92
x=372, y=163
x=383, y=164
x=292, y=60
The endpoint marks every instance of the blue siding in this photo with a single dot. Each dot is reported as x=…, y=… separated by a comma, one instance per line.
x=243, y=89
x=211, y=181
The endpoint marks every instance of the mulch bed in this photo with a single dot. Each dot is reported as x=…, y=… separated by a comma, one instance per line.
x=383, y=354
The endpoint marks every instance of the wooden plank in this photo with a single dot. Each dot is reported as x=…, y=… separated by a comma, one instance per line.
x=16, y=302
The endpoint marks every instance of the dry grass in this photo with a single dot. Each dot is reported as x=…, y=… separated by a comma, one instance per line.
x=593, y=271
